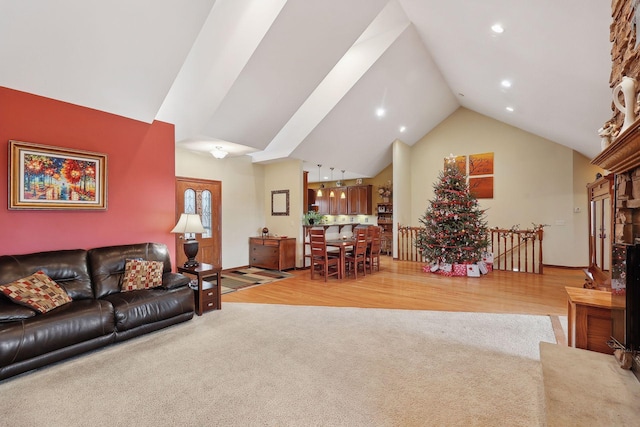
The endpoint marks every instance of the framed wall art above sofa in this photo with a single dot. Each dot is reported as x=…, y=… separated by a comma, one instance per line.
x=48, y=177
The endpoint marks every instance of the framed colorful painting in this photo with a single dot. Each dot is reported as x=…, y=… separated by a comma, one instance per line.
x=47, y=177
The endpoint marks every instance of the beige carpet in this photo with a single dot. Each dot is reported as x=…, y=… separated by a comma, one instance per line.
x=274, y=365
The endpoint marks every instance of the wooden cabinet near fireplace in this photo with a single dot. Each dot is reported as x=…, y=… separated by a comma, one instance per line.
x=273, y=253
x=622, y=158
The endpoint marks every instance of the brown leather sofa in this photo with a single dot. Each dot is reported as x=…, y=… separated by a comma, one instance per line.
x=98, y=315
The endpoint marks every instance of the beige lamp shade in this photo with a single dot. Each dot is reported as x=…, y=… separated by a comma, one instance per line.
x=189, y=223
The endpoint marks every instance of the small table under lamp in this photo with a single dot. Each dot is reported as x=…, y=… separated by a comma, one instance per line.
x=189, y=223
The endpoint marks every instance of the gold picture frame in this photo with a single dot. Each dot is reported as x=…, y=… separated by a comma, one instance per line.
x=54, y=178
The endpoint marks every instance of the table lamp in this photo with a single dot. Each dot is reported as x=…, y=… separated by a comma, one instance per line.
x=189, y=223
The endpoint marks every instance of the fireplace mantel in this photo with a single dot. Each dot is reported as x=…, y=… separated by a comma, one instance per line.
x=624, y=152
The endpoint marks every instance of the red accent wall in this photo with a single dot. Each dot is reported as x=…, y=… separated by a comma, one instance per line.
x=140, y=177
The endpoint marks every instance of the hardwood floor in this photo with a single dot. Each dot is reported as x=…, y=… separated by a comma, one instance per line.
x=403, y=285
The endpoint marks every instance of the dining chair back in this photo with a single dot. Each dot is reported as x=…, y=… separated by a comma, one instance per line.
x=359, y=254
x=373, y=252
x=322, y=261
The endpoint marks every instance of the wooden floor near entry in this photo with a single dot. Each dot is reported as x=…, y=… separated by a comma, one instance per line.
x=403, y=285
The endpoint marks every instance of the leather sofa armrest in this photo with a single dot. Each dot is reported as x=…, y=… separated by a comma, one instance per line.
x=10, y=311
x=174, y=280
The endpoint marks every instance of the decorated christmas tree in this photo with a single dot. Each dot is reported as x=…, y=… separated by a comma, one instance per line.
x=455, y=231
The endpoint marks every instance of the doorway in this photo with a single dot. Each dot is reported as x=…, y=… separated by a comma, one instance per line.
x=202, y=197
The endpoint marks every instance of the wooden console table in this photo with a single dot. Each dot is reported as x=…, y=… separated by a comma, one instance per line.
x=273, y=253
x=593, y=317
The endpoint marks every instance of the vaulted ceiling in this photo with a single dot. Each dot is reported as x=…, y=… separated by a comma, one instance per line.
x=330, y=82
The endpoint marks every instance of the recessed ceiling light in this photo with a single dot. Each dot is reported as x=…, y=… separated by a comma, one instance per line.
x=506, y=83
x=497, y=28
x=403, y=128
x=509, y=109
x=380, y=112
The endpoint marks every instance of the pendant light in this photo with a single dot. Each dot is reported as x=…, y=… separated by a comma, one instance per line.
x=342, y=195
x=331, y=193
x=319, y=193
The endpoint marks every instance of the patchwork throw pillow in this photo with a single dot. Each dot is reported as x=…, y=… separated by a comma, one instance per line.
x=140, y=274
x=37, y=291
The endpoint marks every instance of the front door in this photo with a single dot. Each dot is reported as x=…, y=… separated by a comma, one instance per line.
x=202, y=197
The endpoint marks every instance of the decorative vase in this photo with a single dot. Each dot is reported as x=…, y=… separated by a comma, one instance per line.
x=628, y=89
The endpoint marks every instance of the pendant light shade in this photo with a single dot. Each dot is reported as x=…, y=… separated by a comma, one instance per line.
x=331, y=193
x=319, y=193
x=342, y=195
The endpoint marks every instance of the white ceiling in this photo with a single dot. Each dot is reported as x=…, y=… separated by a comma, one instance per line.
x=303, y=79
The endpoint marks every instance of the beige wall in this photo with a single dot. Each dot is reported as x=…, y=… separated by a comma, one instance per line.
x=401, y=188
x=535, y=180
x=243, y=198
x=285, y=175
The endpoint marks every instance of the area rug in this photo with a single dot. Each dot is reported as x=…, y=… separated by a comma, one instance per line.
x=240, y=278
x=277, y=365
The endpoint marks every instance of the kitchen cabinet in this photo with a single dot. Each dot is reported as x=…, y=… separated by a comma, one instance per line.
x=337, y=203
x=359, y=200
x=322, y=201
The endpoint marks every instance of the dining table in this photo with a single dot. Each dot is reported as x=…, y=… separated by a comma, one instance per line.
x=342, y=244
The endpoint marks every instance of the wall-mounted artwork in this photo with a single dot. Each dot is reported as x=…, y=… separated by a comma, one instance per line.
x=481, y=164
x=460, y=162
x=481, y=188
x=47, y=177
x=280, y=202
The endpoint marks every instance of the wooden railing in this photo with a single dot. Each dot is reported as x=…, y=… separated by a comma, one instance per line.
x=513, y=249
x=407, y=250
x=517, y=250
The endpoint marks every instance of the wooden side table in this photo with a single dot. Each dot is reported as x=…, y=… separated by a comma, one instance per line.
x=208, y=294
x=593, y=317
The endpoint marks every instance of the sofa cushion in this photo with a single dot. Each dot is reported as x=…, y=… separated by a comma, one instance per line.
x=36, y=291
x=67, y=267
x=133, y=309
x=107, y=264
x=141, y=274
x=10, y=311
x=73, y=323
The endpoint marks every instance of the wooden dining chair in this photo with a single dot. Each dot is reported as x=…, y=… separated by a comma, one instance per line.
x=327, y=263
x=375, y=246
x=359, y=254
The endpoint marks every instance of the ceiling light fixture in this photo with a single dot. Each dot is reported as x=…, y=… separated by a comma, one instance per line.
x=505, y=83
x=497, y=28
x=509, y=109
x=219, y=153
x=403, y=128
x=380, y=112
x=342, y=195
